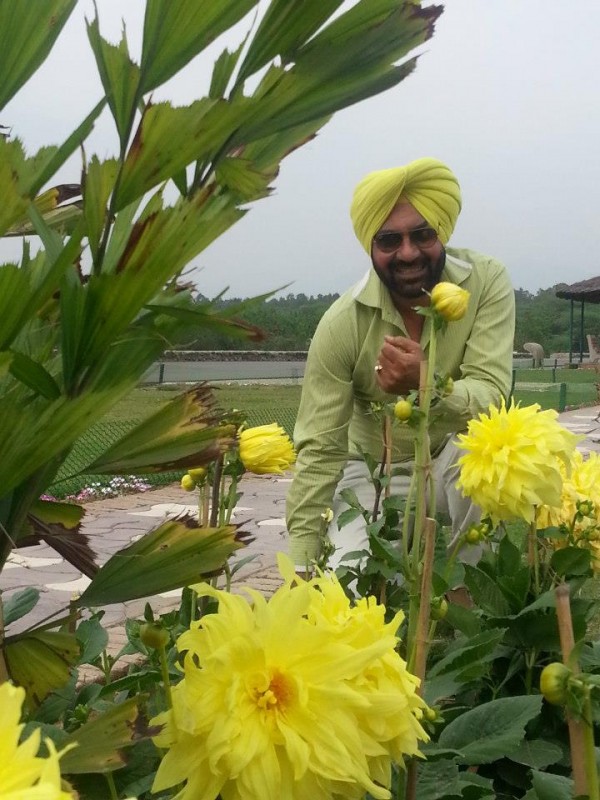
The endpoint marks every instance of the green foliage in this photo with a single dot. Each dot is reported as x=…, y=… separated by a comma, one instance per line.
x=545, y=318
x=74, y=344
x=83, y=320
x=289, y=322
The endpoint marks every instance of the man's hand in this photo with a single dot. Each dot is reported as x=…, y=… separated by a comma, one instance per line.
x=400, y=361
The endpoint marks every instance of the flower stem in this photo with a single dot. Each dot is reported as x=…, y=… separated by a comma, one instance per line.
x=164, y=669
x=3, y=666
x=231, y=500
x=423, y=472
x=111, y=786
x=533, y=555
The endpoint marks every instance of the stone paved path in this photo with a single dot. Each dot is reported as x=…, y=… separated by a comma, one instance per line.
x=114, y=523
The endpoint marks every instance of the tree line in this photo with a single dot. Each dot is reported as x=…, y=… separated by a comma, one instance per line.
x=288, y=323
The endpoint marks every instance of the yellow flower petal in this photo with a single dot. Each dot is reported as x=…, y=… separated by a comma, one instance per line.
x=303, y=696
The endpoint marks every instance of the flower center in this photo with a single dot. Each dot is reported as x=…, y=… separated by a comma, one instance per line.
x=277, y=694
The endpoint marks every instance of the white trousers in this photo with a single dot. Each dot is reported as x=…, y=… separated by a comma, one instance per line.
x=449, y=501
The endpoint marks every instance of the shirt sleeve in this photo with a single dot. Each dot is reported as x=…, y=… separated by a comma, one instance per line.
x=486, y=368
x=320, y=436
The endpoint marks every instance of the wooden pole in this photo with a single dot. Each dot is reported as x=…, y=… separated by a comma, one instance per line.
x=576, y=730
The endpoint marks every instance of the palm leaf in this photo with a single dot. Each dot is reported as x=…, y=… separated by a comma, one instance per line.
x=27, y=34
x=176, y=554
x=186, y=432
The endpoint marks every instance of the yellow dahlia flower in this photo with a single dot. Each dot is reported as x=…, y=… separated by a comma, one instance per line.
x=513, y=458
x=266, y=449
x=581, y=485
x=301, y=696
x=450, y=301
x=23, y=774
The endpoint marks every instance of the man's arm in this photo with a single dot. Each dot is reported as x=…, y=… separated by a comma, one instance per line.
x=321, y=439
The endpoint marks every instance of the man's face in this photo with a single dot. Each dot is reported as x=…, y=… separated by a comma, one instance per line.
x=416, y=263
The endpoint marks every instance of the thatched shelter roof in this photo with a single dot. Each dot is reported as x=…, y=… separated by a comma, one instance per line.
x=584, y=291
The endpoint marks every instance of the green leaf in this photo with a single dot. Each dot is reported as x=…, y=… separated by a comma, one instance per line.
x=347, y=516
x=187, y=432
x=99, y=742
x=40, y=661
x=241, y=177
x=222, y=72
x=20, y=603
x=486, y=592
x=463, y=619
x=177, y=30
x=284, y=28
x=174, y=555
x=509, y=557
x=492, y=730
x=120, y=77
x=34, y=376
x=537, y=753
x=97, y=185
x=551, y=787
x=93, y=639
x=14, y=204
x=169, y=138
x=571, y=561
x=476, y=650
x=27, y=34
x=350, y=60
x=438, y=780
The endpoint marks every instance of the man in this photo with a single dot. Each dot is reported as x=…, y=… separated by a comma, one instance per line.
x=369, y=345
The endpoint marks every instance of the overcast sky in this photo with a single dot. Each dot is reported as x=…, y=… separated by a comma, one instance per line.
x=506, y=93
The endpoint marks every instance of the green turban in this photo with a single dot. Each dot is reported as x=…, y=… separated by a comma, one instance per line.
x=427, y=184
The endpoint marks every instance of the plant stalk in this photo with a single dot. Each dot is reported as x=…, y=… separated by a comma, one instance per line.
x=533, y=555
x=164, y=670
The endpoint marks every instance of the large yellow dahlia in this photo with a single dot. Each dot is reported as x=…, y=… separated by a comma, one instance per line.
x=580, y=486
x=301, y=697
x=266, y=449
x=23, y=774
x=512, y=460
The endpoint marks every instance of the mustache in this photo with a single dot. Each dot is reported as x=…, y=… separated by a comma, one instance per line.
x=418, y=263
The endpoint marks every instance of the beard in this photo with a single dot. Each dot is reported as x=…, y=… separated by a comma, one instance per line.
x=411, y=280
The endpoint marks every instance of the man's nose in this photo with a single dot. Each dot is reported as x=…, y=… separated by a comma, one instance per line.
x=407, y=250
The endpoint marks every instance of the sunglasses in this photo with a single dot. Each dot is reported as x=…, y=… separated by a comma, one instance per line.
x=390, y=241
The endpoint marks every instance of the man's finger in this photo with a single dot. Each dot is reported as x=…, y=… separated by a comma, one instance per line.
x=402, y=343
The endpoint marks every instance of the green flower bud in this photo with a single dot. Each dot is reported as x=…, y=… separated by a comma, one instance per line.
x=153, y=635
x=554, y=682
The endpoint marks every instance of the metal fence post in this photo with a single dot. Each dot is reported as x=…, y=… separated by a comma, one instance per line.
x=161, y=372
x=562, y=397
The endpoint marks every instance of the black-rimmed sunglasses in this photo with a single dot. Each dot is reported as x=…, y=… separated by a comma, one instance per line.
x=389, y=241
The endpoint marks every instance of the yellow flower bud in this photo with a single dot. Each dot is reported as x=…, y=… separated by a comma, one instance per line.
x=188, y=483
x=449, y=300
x=198, y=474
x=266, y=449
x=403, y=410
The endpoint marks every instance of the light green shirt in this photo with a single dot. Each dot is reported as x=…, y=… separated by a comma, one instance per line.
x=335, y=421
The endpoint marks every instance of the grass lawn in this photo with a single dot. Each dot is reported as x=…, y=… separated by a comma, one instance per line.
x=274, y=402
